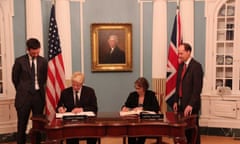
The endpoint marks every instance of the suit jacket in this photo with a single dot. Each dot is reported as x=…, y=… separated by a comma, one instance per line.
x=191, y=86
x=21, y=78
x=117, y=56
x=88, y=99
x=150, y=102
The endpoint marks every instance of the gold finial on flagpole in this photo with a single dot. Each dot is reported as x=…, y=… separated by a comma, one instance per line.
x=178, y=3
x=53, y=2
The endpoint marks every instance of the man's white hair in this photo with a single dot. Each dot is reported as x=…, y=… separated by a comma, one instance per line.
x=78, y=77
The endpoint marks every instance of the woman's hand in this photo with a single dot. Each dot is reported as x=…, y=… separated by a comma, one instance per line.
x=138, y=109
x=125, y=109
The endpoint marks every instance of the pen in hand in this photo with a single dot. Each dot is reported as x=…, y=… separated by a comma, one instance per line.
x=62, y=109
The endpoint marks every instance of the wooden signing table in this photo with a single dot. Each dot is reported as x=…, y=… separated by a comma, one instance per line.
x=113, y=125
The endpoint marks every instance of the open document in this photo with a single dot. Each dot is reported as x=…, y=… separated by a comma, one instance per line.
x=86, y=113
x=137, y=112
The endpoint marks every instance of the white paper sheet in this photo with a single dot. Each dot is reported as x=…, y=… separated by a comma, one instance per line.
x=87, y=113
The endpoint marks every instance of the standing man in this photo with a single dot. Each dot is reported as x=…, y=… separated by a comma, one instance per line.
x=29, y=76
x=189, y=86
x=78, y=98
x=115, y=55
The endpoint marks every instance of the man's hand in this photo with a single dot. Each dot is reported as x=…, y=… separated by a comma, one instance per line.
x=175, y=107
x=188, y=111
x=77, y=110
x=62, y=109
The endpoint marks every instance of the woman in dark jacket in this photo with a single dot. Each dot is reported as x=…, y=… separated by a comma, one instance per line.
x=141, y=99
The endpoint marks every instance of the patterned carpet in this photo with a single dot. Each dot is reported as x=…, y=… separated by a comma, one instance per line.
x=10, y=138
x=206, y=139
x=5, y=138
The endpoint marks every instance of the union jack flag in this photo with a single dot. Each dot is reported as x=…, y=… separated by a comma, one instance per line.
x=172, y=65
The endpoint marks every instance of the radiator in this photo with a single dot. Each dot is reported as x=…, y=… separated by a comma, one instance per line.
x=159, y=86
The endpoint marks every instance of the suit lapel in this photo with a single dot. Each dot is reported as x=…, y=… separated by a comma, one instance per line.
x=27, y=63
x=71, y=94
x=82, y=93
x=38, y=67
x=188, y=67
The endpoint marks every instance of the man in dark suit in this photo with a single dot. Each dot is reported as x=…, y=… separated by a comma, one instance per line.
x=29, y=76
x=189, y=85
x=78, y=98
x=115, y=55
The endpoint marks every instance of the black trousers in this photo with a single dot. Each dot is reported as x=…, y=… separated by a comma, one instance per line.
x=34, y=104
x=136, y=140
x=76, y=141
x=189, y=132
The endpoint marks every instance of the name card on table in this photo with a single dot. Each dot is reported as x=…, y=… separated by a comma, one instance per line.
x=144, y=115
x=75, y=117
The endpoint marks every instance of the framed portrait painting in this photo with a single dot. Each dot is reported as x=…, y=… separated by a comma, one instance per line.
x=111, y=46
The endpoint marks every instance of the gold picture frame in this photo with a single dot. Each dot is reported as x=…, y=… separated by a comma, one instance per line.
x=116, y=34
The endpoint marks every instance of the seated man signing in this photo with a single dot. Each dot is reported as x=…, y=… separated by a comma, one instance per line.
x=78, y=98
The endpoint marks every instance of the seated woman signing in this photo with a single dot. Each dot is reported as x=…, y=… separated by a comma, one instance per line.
x=141, y=99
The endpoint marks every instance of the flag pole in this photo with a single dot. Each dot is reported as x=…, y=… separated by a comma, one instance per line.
x=56, y=73
x=173, y=59
x=53, y=2
x=178, y=4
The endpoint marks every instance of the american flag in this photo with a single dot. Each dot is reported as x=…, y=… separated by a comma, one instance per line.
x=56, y=74
x=172, y=65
